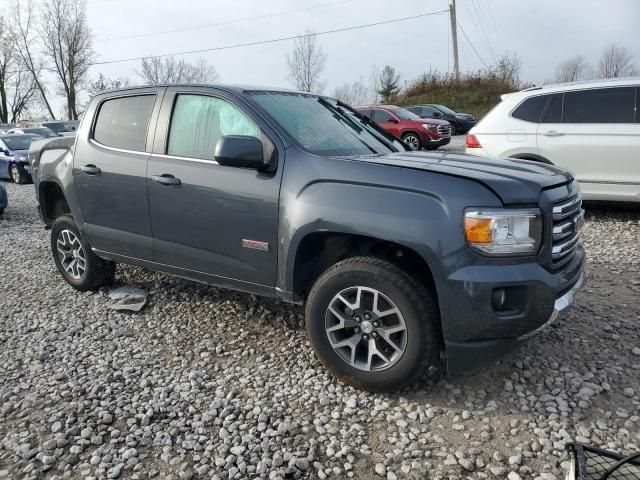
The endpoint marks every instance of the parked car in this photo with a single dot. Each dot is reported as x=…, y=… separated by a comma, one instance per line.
x=44, y=132
x=396, y=255
x=14, y=163
x=591, y=129
x=411, y=129
x=460, y=122
x=3, y=198
x=61, y=127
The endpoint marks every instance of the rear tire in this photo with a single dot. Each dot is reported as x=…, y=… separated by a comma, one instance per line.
x=18, y=174
x=413, y=140
x=390, y=336
x=76, y=262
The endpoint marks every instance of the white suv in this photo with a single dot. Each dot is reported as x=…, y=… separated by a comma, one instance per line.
x=591, y=129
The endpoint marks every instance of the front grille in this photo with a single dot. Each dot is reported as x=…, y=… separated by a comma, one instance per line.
x=568, y=218
x=444, y=130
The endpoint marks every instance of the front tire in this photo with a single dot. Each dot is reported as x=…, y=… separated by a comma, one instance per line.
x=372, y=325
x=18, y=175
x=454, y=129
x=76, y=262
x=413, y=140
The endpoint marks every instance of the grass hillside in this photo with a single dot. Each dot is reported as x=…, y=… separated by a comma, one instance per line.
x=473, y=93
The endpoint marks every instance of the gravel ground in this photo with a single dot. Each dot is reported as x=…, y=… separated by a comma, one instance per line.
x=207, y=383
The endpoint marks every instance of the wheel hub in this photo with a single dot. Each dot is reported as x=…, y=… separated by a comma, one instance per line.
x=366, y=328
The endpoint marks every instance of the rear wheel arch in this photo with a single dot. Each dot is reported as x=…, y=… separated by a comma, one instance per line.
x=533, y=157
x=52, y=201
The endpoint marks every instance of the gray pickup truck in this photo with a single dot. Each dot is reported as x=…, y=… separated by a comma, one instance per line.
x=397, y=256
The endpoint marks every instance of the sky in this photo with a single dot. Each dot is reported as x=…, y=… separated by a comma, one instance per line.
x=542, y=32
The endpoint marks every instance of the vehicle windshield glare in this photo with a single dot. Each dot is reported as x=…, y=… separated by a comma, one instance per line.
x=403, y=113
x=18, y=142
x=444, y=109
x=320, y=126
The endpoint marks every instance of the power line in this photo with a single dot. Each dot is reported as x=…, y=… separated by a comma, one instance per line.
x=482, y=29
x=275, y=40
x=224, y=22
x=471, y=44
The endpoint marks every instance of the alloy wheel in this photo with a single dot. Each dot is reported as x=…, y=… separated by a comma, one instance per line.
x=366, y=328
x=15, y=174
x=412, y=141
x=71, y=254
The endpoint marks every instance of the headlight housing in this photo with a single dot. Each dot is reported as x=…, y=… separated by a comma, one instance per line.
x=429, y=126
x=503, y=232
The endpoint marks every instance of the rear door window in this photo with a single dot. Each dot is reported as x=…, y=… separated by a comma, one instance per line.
x=123, y=122
x=531, y=109
x=554, y=110
x=603, y=105
x=199, y=121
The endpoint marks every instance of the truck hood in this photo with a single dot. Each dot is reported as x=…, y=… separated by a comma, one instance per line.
x=513, y=181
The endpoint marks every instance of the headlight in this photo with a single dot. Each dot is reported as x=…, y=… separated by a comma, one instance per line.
x=503, y=232
x=429, y=126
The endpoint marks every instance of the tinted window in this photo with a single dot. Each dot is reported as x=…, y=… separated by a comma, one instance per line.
x=428, y=111
x=554, y=110
x=366, y=113
x=445, y=110
x=380, y=116
x=123, y=122
x=605, y=105
x=198, y=122
x=404, y=114
x=19, y=142
x=531, y=109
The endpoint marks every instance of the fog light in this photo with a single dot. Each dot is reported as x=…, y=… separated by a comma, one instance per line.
x=498, y=298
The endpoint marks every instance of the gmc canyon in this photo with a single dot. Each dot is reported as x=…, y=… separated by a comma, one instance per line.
x=398, y=256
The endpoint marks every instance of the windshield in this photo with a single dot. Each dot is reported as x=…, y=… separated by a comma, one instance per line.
x=320, y=127
x=60, y=127
x=444, y=109
x=18, y=142
x=403, y=113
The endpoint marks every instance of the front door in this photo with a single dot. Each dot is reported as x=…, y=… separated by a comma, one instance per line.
x=110, y=172
x=207, y=218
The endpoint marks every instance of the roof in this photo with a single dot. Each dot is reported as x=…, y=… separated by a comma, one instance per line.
x=561, y=87
x=379, y=106
x=236, y=88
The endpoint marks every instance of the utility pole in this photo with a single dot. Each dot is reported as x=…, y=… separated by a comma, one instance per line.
x=454, y=37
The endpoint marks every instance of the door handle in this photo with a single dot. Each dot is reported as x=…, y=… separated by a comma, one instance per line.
x=166, y=179
x=90, y=169
x=553, y=133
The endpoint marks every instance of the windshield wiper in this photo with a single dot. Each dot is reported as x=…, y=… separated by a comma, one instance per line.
x=381, y=134
x=342, y=117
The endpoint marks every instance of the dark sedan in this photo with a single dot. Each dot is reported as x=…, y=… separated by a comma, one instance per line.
x=460, y=122
x=14, y=163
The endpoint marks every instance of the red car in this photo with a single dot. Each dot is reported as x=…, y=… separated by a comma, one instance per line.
x=416, y=132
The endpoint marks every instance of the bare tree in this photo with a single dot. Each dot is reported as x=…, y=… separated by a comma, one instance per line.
x=68, y=44
x=306, y=63
x=22, y=89
x=103, y=83
x=374, y=83
x=158, y=70
x=23, y=39
x=6, y=63
x=356, y=93
x=616, y=61
x=573, y=70
x=507, y=69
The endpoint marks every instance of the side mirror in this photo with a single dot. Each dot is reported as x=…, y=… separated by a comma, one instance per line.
x=241, y=151
x=393, y=120
x=6, y=152
x=437, y=114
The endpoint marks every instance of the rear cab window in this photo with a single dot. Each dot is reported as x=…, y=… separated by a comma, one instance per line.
x=123, y=122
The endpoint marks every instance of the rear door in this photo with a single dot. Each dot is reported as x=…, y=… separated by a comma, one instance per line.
x=593, y=133
x=110, y=172
x=207, y=218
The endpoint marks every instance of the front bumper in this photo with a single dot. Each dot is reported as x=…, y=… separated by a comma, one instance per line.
x=437, y=142
x=476, y=334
